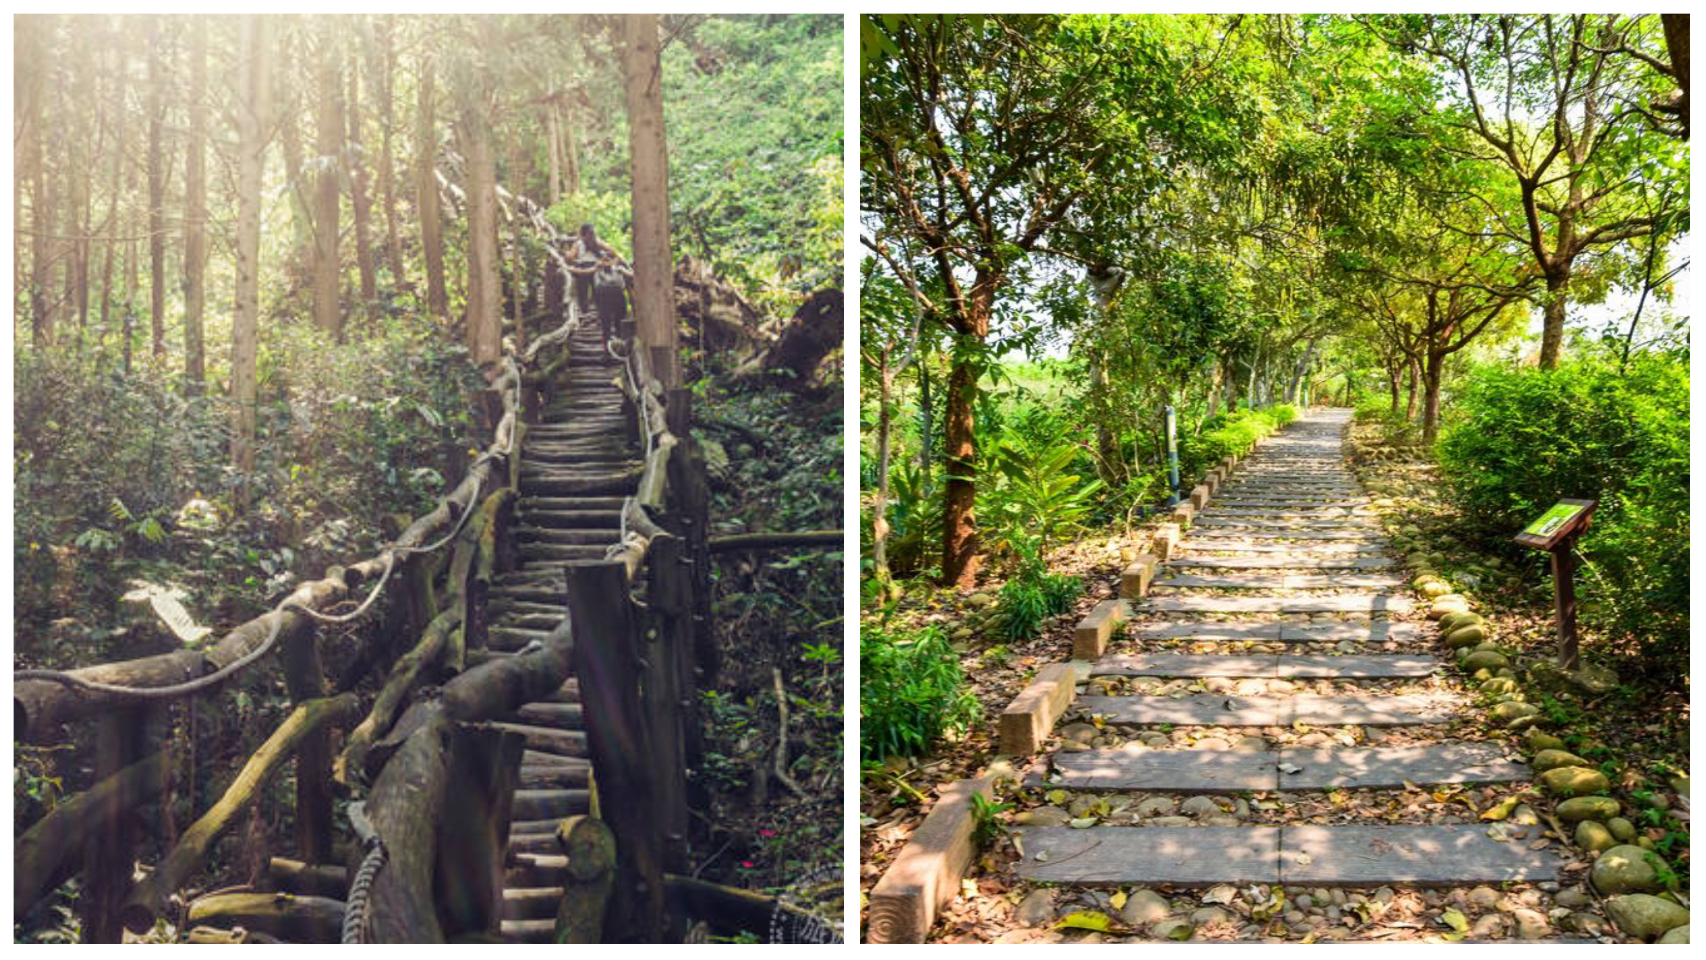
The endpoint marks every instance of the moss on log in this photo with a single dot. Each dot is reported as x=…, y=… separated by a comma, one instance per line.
x=404, y=673
x=282, y=915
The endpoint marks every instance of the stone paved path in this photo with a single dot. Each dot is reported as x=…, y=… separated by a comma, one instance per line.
x=1282, y=577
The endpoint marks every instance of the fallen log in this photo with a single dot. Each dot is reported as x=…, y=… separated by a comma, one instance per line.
x=503, y=686
x=281, y=915
x=777, y=541
x=404, y=673
x=314, y=879
x=41, y=856
x=143, y=905
x=730, y=910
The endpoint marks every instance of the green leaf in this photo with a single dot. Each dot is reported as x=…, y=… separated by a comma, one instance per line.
x=1455, y=919
x=1088, y=920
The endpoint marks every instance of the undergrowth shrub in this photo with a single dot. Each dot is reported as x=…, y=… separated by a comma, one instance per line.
x=1518, y=440
x=1032, y=595
x=1228, y=434
x=911, y=691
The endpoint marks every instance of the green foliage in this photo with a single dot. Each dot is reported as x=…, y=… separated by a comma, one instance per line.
x=757, y=189
x=984, y=812
x=122, y=477
x=1032, y=595
x=1230, y=434
x=911, y=692
x=1034, y=490
x=1519, y=440
x=609, y=212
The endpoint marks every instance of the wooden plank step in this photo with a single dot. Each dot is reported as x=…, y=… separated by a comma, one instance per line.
x=564, y=716
x=1347, y=603
x=600, y=536
x=549, y=804
x=534, y=843
x=1205, y=709
x=532, y=903
x=1425, y=855
x=555, y=776
x=616, y=483
x=535, y=870
x=1182, y=856
x=552, y=551
x=570, y=503
x=528, y=931
x=582, y=519
x=563, y=743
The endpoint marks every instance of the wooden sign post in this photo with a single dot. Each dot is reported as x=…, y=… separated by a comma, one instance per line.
x=1556, y=532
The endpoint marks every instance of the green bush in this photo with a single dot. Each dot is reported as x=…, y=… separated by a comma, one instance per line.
x=1032, y=595
x=1229, y=434
x=1518, y=440
x=911, y=692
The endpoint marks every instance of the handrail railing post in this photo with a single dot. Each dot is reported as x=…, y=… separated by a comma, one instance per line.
x=305, y=680
x=606, y=657
x=668, y=703
x=120, y=740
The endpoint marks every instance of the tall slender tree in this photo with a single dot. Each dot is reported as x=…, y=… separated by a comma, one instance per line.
x=426, y=189
x=254, y=114
x=195, y=214
x=648, y=152
x=328, y=144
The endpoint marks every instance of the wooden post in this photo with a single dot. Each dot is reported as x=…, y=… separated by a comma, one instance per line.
x=667, y=705
x=1564, y=582
x=110, y=858
x=1556, y=532
x=695, y=525
x=473, y=829
x=605, y=664
x=305, y=680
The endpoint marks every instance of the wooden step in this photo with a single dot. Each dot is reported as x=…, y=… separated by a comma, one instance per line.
x=549, y=804
x=528, y=931
x=563, y=743
x=532, y=903
x=1276, y=666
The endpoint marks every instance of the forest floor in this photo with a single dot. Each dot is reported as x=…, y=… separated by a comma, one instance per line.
x=774, y=458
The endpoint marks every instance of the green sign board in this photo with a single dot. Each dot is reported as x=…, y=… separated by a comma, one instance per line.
x=1554, y=519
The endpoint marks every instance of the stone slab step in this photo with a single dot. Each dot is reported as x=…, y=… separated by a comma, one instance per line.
x=1276, y=562
x=1349, y=603
x=1206, y=709
x=1235, y=526
x=1183, y=856
x=1219, y=771
x=1278, y=582
x=1246, y=535
x=1319, y=550
x=1277, y=666
x=1341, y=855
x=1377, y=631
x=1425, y=855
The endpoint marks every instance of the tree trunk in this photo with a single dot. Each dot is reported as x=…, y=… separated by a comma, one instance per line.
x=359, y=195
x=1676, y=44
x=1392, y=380
x=156, y=192
x=879, y=506
x=386, y=72
x=1430, y=406
x=253, y=117
x=571, y=153
x=654, y=302
x=1414, y=369
x=41, y=202
x=553, y=153
x=926, y=421
x=485, y=309
x=960, y=558
x=299, y=262
x=195, y=215
x=1552, y=332
x=328, y=145
x=426, y=193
